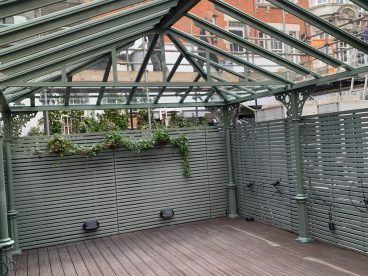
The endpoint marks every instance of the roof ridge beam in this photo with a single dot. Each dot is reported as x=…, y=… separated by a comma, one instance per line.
x=287, y=39
x=59, y=19
x=251, y=46
x=215, y=50
x=323, y=25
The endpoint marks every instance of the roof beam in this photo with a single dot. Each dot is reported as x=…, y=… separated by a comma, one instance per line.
x=142, y=70
x=361, y=3
x=324, y=80
x=56, y=77
x=176, y=14
x=69, y=59
x=251, y=46
x=32, y=46
x=104, y=79
x=98, y=84
x=321, y=24
x=194, y=63
x=10, y=8
x=190, y=89
x=81, y=45
x=62, y=18
x=217, y=51
x=169, y=77
x=275, y=33
x=16, y=109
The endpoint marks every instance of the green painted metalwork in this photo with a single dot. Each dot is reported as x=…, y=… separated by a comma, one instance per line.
x=190, y=89
x=10, y=8
x=15, y=109
x=85, y=30
x=145, y=61
x=12, y=213
x=218, y=51
x=6, y=243
x=327, y=79
x=294, y=102
x=232, y=205
x=267, y=29
x=81, y=45
x=183, y=50
x=323, y=25
x=169, y=77
x=361, y=3
x=228, y=36
x=104, y=79
x=60, y=19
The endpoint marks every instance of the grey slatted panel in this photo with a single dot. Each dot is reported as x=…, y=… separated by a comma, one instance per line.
x=261, y=159
x=124, y=190
x=335, y=158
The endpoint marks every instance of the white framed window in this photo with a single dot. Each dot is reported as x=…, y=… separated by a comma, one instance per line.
x=277, y=46
x=362, y=59
x=319, y=2
x=262, y=40
x=238, y=29
x=343, y=51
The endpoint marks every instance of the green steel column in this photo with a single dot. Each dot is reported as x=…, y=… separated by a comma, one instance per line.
x=301, y=197
x=232, y=206
x=12, y=213
x=6, y=243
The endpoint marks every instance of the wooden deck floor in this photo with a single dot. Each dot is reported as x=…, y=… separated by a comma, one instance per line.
x=216, y=247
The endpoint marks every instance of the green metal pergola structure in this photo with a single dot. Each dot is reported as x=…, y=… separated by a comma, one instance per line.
x=45, y=54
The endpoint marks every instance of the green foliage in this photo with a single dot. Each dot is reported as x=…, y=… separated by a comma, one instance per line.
x=142, y=119
x=35, y=131
x=61, y=146
x=179, y=121
x=18, y=121
x=110, y=120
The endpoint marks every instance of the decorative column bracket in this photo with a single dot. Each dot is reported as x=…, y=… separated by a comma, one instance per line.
x=302, y=96
x=294, y=102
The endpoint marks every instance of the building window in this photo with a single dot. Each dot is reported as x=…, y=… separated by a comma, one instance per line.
x=319, y=2
x=234, y=47
x=262, y=40
x=341, y=1
x=361, y=58
x=277, y=46
x=343, y=51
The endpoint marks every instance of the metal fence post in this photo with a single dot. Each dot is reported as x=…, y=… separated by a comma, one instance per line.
x=294, y=103
x=12, y=213
x=6, y=243
x=232, y=205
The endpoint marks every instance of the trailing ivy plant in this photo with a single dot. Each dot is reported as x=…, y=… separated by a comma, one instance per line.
x=113, y=140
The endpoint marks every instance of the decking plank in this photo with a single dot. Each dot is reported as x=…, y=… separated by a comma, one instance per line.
x=33, y=265
x=44, y=261
x=77, y=260
x=55, y=262
x=99, y=259
x=212, y=247
x=66, y=261
x=121, y=257
x=88, y=259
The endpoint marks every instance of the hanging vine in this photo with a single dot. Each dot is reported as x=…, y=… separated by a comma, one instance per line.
x=61, y=145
